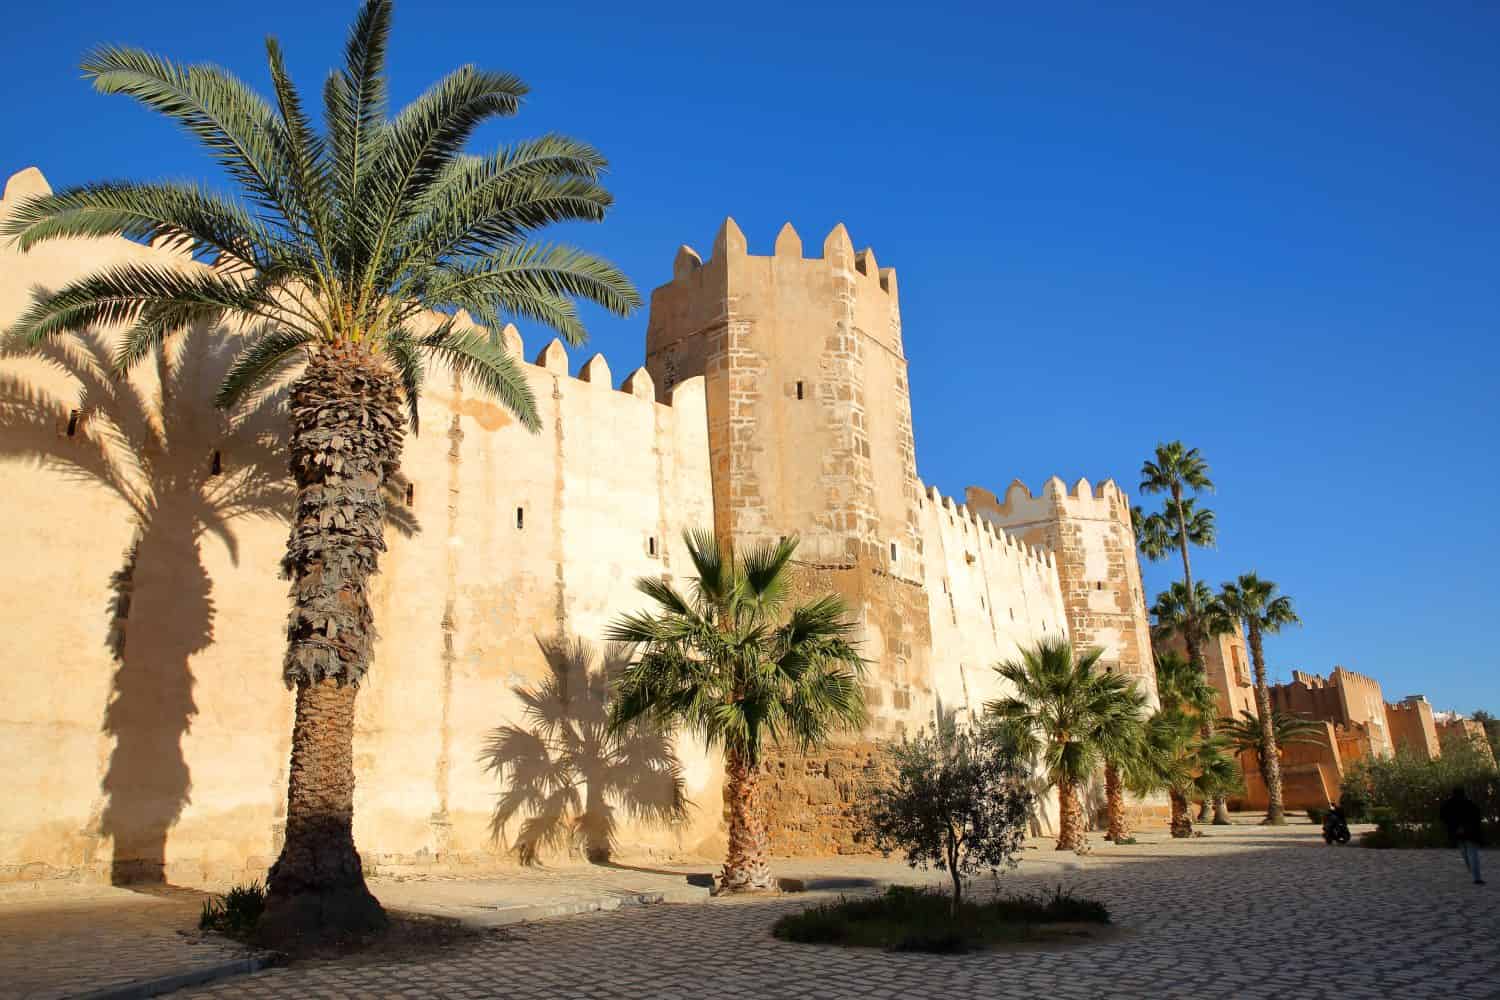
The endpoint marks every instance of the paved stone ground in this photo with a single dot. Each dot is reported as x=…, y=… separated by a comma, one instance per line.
x=1243, y=912
x=67, y=942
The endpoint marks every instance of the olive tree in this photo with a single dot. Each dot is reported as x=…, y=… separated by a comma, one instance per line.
x=957, y=802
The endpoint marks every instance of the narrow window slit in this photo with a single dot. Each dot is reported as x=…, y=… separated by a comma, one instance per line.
x=411, y=494
x=520, y=518
x=73, y=418
x=651, y=545
x=799, y=388
x=216, y=463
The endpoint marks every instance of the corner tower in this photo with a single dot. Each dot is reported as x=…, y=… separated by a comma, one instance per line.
x=1088, y=531
x=809, y=413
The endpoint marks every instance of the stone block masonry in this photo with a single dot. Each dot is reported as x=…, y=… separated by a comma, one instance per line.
x=148, y=713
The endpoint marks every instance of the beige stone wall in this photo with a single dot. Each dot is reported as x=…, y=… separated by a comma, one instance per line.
x=989, y=596
x=167, y=750
x=1088, y=533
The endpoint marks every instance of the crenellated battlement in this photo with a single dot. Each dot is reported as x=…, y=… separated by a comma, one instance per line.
x=839, y=254
x=1106, y=501
x=967, y=518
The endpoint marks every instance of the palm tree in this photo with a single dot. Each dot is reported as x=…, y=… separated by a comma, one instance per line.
x=348, y=253
x=1070, y=717
x=1176, y=469
x=1123, y=734
x=1180, y=754
x=733, y=665
x=1246, y=735
x=567, y=772
x=1257, y=605
x=1170, y=611
x=1201, y=617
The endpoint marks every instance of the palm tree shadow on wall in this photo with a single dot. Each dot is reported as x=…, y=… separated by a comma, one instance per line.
x=184, y=470
x=564, y=775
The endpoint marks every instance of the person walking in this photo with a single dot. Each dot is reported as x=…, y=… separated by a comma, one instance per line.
x=1465, y=829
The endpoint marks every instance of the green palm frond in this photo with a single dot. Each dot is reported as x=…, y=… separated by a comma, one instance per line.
x=484, y=361
x=729, y=666
x=354, y=235
x=1067, y=712
x=1174, y=468
x=231, y=121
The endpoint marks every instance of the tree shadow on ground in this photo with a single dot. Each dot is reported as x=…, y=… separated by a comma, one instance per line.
x=564, y=775
x=184, y=470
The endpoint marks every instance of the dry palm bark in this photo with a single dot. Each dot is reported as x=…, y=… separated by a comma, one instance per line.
x=347, y=428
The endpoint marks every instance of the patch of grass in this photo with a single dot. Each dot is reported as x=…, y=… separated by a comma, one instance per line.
x=908, y=919
x=236, y=912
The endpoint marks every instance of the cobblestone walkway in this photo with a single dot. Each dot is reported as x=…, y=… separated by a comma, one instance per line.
x=71, y=943
x=1244, y=912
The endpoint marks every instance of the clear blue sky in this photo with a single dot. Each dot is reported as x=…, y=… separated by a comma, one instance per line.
x=1272, y=233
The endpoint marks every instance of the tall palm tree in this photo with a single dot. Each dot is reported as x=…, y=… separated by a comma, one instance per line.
x=1175, y=470
x=1261, y=610
x=1180, y=754
x=1171, y=615
x=733, y=664
x=1071, y=717
x=347, y=254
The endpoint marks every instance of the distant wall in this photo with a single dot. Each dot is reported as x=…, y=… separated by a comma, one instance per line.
x=1344, y=698
x=1412, y=727
x=142, y=712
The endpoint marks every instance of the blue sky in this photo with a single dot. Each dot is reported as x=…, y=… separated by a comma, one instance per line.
x=1273, y=233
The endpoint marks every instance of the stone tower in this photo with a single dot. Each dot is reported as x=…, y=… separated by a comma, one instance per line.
x=1089, y=533
x=810, y=432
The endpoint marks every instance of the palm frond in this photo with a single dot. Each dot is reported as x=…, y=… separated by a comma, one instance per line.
x=484, y=361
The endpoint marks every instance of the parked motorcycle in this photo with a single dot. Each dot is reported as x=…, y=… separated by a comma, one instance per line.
x=1335, y=829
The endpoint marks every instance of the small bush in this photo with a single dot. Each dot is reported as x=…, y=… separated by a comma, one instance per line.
x=909, y=919
x=1409, y=790
x=1316, y=815
x=236, y=912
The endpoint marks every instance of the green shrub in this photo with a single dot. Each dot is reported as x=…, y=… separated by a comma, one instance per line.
x=1316, y=815
x=236, y=912
x=1409, y=791
x=909, y=919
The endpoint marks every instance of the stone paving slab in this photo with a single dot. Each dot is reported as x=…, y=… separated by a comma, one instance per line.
x=1243, y=912
x=73, y=941
x=539, y=893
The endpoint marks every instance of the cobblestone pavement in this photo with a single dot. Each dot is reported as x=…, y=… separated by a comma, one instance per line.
x=1243, y=912
x=69, y=942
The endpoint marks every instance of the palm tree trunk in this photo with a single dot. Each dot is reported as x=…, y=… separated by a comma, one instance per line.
x=1182, y=820
x=1069, y=816
x=1114, y=804
x=1270, y=752
x=745, y=868
x=347, y=424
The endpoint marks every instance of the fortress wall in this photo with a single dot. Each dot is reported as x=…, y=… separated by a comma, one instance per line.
x=989, y=595
x=1412, y=728
x=1088, y=533
x=170, y=757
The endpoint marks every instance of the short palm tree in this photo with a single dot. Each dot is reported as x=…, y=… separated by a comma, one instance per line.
x=347, y=254
x=733, y=664
x=1246, y=735
x=1071, y=717
x=1181, y=755
x=1255, y=603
